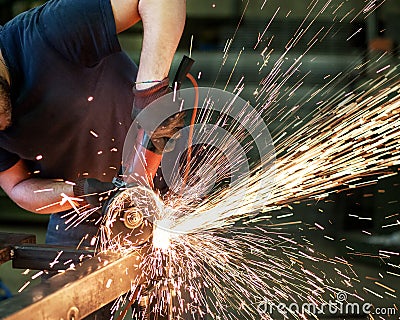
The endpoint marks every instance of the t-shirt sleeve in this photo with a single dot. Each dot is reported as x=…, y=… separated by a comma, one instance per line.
x=7, y=159
x=82, y=31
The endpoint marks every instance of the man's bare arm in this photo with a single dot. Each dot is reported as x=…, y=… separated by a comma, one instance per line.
x=163, y=24
x=32, y=194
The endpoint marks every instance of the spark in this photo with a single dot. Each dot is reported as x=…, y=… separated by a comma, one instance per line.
x=47, y=206
x=93, y=241
x=384, y=286
x=358, y=31
x=24, y=286
x=373, y=292
x=390, y=294
x=397, y=223
x=108, y=284
x=55, y=261
x=260, y=37
x=285, y=216
x=161, y=234
x=297, y=181
x=44, y=190
x=94, y=134
x=389, y=252
x=383, y=69
x=191, y=46
x=367, y=123
x=38, y=274
x=233, y=69
x=393, y=265
x=319, y=226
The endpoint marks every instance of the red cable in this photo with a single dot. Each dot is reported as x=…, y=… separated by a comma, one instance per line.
x=192, y=122
x=131, y=301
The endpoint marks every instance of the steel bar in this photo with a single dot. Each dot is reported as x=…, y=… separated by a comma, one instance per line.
x=48, y=257
x=77, y=293
x=8, y=240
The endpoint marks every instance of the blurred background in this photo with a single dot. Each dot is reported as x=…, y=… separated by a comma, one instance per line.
x=365, y=219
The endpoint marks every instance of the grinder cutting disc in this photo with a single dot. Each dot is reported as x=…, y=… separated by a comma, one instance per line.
x=129, y=217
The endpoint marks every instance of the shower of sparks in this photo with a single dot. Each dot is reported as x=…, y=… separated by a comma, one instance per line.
x=224, y=252
x=161, y=234
x=342, y=146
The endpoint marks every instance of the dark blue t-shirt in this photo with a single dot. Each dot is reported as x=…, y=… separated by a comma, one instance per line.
x=71, y=90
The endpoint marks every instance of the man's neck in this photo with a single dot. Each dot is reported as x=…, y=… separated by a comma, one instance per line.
x=3, y=69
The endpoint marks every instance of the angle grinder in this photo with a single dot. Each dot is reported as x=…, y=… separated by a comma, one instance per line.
x=129, y=217
x=131, y=211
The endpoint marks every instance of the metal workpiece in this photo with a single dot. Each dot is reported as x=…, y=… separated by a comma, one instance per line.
x=48, y=257
x=9, y=240
x=76, y=293
x=77, y=282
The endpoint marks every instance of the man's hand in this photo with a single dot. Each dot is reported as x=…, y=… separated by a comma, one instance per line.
x=94, y=191
x=170, y=126
x=142, y=98
x=166, y=130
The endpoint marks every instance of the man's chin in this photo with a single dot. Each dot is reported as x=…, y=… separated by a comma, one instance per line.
x=5, y=122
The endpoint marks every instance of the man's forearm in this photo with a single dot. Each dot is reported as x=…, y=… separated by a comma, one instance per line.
x=42, y=196
x=163, y=24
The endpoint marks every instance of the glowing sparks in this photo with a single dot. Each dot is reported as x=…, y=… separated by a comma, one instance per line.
x=24, y=286
x=70, y=200
x=55, y=261
x=161, y=234
x=44, y=190
x=93, y=241
x=38, y=274
x=368, y=124
x=108, y=284
x=94, y=134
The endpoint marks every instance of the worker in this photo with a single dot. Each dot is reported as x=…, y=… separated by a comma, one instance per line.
x=66, y=96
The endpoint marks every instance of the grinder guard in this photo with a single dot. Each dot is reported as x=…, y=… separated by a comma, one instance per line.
x=129, y=217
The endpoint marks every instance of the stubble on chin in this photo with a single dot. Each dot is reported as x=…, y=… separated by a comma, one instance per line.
x=5, y=104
